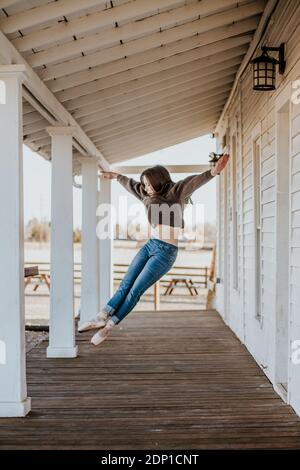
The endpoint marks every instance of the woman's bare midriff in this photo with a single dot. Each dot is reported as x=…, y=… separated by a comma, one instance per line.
x=166, y=233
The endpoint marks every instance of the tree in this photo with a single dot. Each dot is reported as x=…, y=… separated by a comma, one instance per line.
x=37, y=231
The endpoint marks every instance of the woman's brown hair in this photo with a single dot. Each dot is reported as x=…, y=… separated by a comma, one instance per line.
x=160, y=180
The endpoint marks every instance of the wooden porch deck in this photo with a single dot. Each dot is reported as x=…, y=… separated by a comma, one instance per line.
x=163, y=380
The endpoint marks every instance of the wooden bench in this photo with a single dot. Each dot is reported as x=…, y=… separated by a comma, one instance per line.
x=29, y=273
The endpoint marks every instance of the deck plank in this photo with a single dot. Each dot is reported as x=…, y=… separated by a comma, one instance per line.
x=162, y=380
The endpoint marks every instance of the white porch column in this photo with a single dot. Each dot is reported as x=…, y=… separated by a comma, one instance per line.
x=89, y=277
x=62, y=324
x=105, y=223
x=13, y=393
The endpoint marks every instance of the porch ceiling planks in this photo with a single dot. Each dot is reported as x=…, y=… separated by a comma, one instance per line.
x=119, y=68
x=170, y=379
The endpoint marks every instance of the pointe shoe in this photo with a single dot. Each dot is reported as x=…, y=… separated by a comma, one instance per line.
x=98, y=322
x=102, y=334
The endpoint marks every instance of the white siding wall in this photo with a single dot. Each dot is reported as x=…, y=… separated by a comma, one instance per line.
x=295, y=252
x=248, y=112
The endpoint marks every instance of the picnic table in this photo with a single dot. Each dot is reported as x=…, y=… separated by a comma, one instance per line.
x=30, y=272
x=183, y=280
x=187, y=279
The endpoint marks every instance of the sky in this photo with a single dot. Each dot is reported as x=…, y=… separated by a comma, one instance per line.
x=37, y=179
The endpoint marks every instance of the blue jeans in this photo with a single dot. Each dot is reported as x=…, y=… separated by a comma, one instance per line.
x=151, y=262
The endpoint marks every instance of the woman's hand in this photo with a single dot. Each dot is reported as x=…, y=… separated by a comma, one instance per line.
x=111, y=175
x=220, y=165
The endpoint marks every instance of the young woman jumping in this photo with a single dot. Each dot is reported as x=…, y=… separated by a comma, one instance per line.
x=164, y=202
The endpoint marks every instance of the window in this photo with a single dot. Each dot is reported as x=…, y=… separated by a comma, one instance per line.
x=257, y=225
x=234, y=220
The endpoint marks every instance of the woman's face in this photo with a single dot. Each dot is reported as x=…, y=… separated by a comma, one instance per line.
x=148, y=186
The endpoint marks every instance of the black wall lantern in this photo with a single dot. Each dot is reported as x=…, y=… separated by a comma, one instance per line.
x=264, y=68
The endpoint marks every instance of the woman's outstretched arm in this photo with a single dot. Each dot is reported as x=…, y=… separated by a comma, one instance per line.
x=132, y=186
x=185, y=187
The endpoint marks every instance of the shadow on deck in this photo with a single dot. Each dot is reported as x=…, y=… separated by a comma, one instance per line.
x=163, y=380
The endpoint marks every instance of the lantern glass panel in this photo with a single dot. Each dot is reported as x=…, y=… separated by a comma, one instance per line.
x=264, y=73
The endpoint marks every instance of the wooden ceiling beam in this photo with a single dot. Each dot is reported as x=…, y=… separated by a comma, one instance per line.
x=114, y=132
x=157, y=54
x=202, y=26
x=154, y=134
x=169, y=139
x=183, y=118
x=8, y=3
x=141, y=65
x=142, y=119
x=86, y=23
x=157, y=128
x=161, y=81
x=139, y=119
x=228, y=76
x=125, y=112
x=170, y=104
x=126, y=32
x=44, y=13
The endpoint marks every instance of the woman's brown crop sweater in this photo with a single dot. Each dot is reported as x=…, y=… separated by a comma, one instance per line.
x=167, y=209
